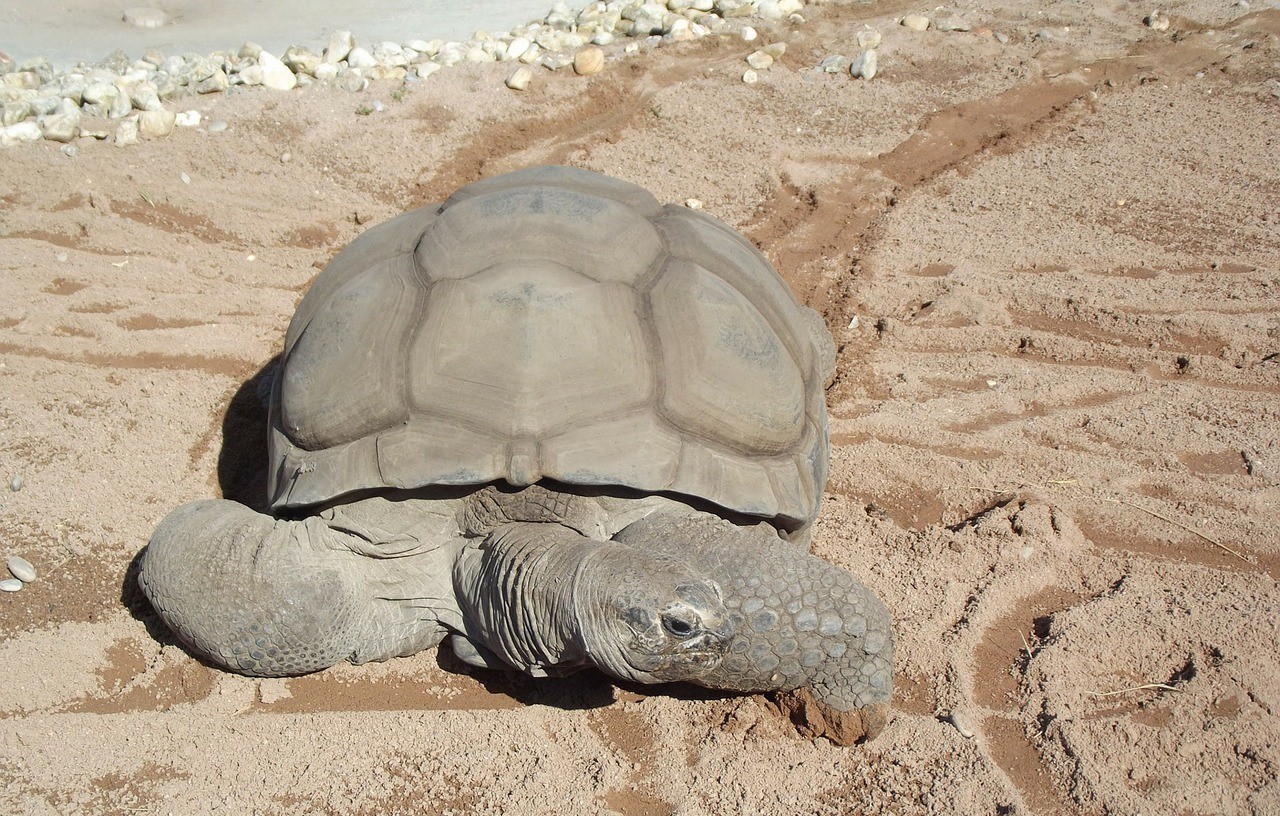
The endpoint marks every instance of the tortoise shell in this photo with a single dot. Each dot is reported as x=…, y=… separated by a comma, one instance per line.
x=554, y=324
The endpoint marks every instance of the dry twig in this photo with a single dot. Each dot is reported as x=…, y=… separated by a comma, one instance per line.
x=1180, y=525
x=1143, y=687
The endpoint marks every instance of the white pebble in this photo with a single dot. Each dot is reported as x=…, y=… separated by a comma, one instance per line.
x=185, y=178
x=144, y=17
x=217, y=126
x=959, y=723
x=10, y=585
x=749, y=34
x=520, y=78
x=750, y=77
x=693, y=203
x=864, y=65
x=853, y=322
x=1026, y=552
x=21, y=569
x=189, y=118
x=16, y=483
x=915, y=22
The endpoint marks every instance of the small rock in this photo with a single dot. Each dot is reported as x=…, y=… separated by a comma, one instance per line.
x=1156, y=21
x=517, y=47
x=868, y=37
x=961, y=726
x=189, y=118
x=520, y=78
x=301, y=60
x=127, y=132
x=62, y=127
x=759, y=60
x=1001, y=37
x=155, y=124
x=952, y=24
x=340, y=45
x=144, y=17
x=217, y=126
x=15, y=484
x=217, y=82
x=915, y=22
x=21, y=132
x=834, y=64
x=864, y=65
x=589, y=61
x=693, y=203
x=750, y=76
x=10, y=585
x=21, y=569
x=360, y=59
x=275, y=74
x=748, y=34
x=70, y=151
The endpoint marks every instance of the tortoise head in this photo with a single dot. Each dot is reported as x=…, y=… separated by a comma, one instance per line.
x=649, y=617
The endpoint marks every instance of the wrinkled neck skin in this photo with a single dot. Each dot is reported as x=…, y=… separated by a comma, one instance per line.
x=516, y=589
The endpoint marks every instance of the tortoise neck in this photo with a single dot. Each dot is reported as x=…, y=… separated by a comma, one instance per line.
x=516, y=591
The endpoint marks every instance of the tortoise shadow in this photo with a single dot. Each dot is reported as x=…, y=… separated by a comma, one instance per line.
x=580, y=691
x=242, y=462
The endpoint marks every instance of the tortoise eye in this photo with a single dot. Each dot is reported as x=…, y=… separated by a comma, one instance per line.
x=679, y=627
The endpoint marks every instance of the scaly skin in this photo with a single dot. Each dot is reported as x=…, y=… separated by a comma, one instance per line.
x=271, y=598
x=802, y=622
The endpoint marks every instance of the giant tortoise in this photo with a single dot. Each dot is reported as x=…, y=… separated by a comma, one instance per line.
x=557, y=424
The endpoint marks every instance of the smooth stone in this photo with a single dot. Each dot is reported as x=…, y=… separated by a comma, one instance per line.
x=326, y=71
x=759, y=60
x=144, y=17
x=275, y=74
x=952, y=24
x=864, y=65
x=775, y=50
x=915, y=22
x=520, y=78
x=15, y=484
x=21, y=132
x=390, y=55
x=868, y=38
x=1156, y=21
x=10, y=585
x=70, y=151
x=217, y=126
x=517, y=47
x=748, y=34
x=189, y=118
x=62, y=127
x=360, y=59
x=21, y=569
x=156, y=124
x=588, y=61
x=750, y=76
x=477, y=54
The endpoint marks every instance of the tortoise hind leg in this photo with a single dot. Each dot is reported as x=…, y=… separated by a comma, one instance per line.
x=252, y=594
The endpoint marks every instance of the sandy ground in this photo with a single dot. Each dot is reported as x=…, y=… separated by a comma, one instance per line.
x=1056, y=424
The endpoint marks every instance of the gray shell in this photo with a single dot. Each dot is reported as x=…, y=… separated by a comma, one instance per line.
x=553, y=323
